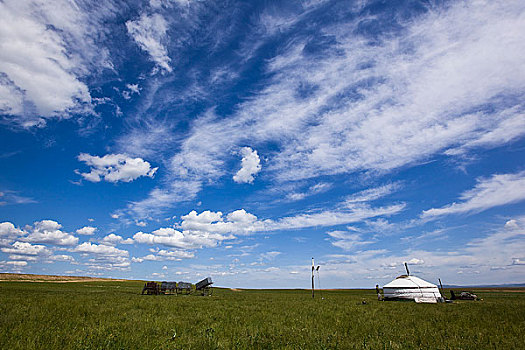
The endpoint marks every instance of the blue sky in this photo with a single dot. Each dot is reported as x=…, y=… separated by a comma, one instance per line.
x=179, y=139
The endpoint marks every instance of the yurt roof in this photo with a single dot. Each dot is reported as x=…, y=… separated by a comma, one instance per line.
x=409, y=282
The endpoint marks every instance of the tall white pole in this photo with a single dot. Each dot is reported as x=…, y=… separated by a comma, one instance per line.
x=313, y=267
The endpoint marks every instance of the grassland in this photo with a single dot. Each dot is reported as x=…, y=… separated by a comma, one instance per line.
x=113, y=315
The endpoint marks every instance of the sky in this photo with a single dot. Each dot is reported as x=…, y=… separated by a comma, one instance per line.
x=180, y=139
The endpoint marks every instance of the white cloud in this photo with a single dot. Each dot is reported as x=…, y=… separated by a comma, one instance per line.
x=250, y=166
x=48, y=231
x=23, y=248
x=312, y=190
x=141, y=223
x=134, y=88
x=100, y=249
x=332, y=217
x=372, y=194
x=62, y=257
x=86, y=230
x=163, y=255
x=113, y=239
x=347, y=240
x=11, y=197
x=415, y=261
x=206, y=229
x=161, y=198
x=237, y=222
x=381, y=225
x=115, y=168
x=270, y=255
x=186, y=240
x=46, y=49
x=150, y=33
x=7, y=229
x=497, y=190
x=175, y=254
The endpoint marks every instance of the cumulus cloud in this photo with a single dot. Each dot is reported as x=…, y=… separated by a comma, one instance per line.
x=150, y=34
x=186, y=240
x=100, y=249
x=497, y=190
x=24, y=248
x=206, y=229
x=48, y=231
x=86, y=231
x=7, y=229
x=237, y=222
x=113, y=239
x=250, y=166
x=163, y=255
x=115, y=168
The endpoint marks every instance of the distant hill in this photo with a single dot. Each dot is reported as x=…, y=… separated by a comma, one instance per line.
x=514, y=285
x=50, y=278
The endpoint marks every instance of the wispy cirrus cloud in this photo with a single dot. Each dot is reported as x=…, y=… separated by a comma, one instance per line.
x=150, y=33
x=312, y=190
x=12, y=197
x=347, y=240
x=373, y=103
x=494, y=191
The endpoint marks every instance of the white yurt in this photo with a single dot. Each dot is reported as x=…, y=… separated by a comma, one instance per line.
x=407, y=287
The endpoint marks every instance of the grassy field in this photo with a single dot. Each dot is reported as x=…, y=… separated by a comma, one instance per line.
x=113, y=315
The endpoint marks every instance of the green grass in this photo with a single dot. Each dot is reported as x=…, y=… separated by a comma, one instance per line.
x=113, y=315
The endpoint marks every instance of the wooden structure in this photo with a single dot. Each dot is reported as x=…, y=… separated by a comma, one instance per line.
x=151, y=288
x=184, y=288
x=204, y=286
x=168, y=287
